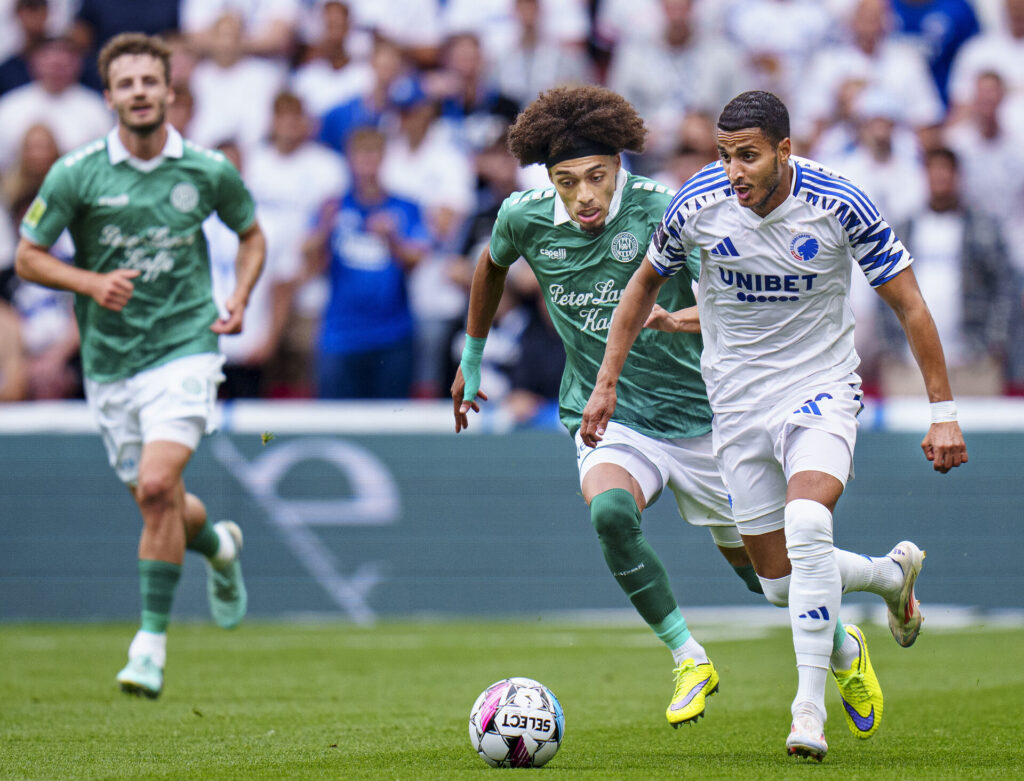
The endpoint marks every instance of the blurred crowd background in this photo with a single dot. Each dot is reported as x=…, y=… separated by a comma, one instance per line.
x=372, y=136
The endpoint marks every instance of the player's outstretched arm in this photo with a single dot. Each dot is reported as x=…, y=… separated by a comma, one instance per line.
x=632, y=312
x=484, y=296
x=112, y=290
x=252, y=252
x=944, y=444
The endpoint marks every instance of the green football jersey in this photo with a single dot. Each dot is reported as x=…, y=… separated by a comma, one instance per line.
x=125, y=214
x=583, y=276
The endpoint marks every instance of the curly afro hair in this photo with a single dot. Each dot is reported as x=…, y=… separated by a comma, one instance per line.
x=565, y=118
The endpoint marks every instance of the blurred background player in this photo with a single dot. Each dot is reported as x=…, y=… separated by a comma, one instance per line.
x=134, y=203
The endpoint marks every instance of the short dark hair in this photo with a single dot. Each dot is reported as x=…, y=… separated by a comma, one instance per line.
x=567, y=118
x=945, y=154
x=365, y=136
x=286, y=102
x=757, y=109
x=133, y=43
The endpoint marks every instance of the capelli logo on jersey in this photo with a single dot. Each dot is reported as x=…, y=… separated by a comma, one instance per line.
x=554, y=254
x=114, y=201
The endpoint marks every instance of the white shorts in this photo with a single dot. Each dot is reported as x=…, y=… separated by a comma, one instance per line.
x=171, y=402
x=686, y=465
x=759, y=450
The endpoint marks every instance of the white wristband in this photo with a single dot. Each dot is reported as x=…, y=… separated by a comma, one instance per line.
x=943, y=411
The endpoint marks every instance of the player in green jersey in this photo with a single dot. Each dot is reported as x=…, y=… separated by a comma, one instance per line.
x=134, y=203
x=584, y=238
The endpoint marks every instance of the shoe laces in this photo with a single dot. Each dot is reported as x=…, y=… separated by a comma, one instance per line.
x=853, y=686
x=224, y=586
x=682, y=671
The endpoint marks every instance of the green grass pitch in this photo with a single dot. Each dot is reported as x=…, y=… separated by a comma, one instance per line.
x=297, y=701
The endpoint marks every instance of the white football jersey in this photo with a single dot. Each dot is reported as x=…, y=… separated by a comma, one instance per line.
x=774, y=291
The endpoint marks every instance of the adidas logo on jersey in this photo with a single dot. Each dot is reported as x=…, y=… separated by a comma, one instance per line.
x=554, y=254
x=725, y=248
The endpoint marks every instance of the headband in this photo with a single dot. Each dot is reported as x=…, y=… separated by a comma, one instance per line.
x=584, y=148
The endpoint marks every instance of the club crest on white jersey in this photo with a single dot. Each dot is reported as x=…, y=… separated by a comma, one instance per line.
x=774, y=291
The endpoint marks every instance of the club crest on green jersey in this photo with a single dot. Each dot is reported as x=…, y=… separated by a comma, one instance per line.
x=184, y=196
x=625, y=247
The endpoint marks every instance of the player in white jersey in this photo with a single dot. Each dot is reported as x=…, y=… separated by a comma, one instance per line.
x=779, y=237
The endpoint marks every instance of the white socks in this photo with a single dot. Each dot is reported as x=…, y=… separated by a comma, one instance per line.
x=844, y=658
x=876, y=574
x=691, y=649
x=151, y=644
x=225, y=551
x=815, y=588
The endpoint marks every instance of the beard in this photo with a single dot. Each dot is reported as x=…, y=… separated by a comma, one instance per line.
x=772, y=185
x=145, y=128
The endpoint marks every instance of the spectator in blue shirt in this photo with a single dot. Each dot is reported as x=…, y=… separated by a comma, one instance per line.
x=369, y=240
x=940, y=27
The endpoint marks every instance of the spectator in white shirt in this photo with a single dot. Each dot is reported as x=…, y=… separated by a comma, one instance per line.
x=1000, y=50
x=885, y=163
x=74, y=113
x=991, y=151
x=532, y=61
x=333, y=74
x=290, y=177
x=233, y=91
x=677, y=72
x=268, y=30
x=961, y=267
x=876, y=59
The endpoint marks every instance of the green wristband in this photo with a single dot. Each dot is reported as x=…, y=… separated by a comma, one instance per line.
x=472, y=352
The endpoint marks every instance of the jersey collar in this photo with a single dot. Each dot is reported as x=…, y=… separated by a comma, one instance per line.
x=562, y=214
x=118, y=153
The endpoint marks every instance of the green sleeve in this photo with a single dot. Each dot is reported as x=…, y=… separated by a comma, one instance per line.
x=503, y=248
x=53, y=208
x=234, y=204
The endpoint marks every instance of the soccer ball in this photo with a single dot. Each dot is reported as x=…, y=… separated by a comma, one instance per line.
x=516, y=722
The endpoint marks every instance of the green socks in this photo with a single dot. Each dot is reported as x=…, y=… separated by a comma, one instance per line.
x=748, y=576
x=206, y=541
x=634, y=564
x=839, y=637
x=157, y=581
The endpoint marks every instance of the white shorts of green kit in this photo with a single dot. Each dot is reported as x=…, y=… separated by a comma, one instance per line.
x=685, y=465
x=759, y=450
x=173, y=402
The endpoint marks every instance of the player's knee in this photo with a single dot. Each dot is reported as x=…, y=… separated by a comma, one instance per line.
x=776, y=590
x=155, y=489
x=808, y=530
x=615, y=515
